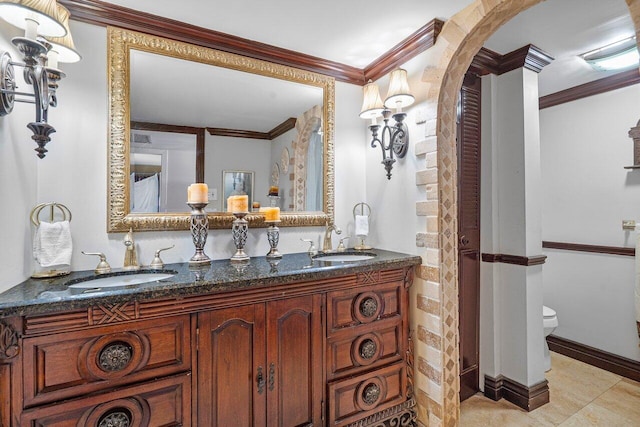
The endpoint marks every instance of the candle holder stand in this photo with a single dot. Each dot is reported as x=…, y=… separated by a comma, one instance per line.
x=273, y=235
x=199, y=224
x=239, y=231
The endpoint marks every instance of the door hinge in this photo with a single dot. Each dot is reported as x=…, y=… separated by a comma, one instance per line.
x=322, y=410
x=197, y=339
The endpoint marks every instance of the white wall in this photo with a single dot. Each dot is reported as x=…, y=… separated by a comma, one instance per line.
x=223, y=153
x=587, y=194
x=18, y=182
x=75, y=170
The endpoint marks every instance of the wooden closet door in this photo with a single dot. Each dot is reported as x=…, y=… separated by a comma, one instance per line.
x=294, y=359
x=232, y=374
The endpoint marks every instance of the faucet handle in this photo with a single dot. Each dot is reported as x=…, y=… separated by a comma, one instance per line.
x=103, y=266
x=312, y=247
x=341, y=247
x=157, y=262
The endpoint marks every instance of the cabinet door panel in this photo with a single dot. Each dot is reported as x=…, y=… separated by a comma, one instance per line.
x=72, y=364
x=363, y=305
x=353, y=350
x=230, y=358
x=164, y=402
x=355, y=398
x=294, y=357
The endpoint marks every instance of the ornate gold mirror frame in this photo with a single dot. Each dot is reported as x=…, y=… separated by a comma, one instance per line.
x=119, y=219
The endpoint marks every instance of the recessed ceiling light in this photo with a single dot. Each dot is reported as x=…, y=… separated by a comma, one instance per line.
x=616, y=56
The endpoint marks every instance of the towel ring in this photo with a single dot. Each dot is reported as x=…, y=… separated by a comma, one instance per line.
x=362, y=206
x=35, y=212
x=365, y=210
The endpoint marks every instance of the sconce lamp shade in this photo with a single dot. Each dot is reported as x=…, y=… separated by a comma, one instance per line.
x=399, y=94
x=44, y=12
x=64, y=45
x=372, y=104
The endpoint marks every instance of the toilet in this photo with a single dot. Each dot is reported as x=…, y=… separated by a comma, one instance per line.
x=550, y=323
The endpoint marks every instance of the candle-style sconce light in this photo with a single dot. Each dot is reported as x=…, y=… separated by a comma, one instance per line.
x=46, y=42
x=394, y=139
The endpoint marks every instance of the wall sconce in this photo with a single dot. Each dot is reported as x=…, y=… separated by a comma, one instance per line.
x=39, y=19
x=393, y=140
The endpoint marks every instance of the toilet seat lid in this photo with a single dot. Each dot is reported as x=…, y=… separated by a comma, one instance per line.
x=548, y=312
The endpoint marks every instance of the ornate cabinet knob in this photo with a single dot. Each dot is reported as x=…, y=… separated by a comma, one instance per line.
x=115, y=356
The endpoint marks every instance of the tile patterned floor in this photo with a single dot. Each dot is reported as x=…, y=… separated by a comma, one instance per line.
x=581, y=396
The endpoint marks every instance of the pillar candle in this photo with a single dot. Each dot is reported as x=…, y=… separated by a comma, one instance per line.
x=198, y=193
x=238, y=203
x=271, y=213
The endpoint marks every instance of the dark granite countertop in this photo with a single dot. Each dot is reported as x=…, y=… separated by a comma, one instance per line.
x=41, y=296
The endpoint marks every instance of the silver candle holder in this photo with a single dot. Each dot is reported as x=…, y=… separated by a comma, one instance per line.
x=273, y=235
x=199, y=224
x=239, y=231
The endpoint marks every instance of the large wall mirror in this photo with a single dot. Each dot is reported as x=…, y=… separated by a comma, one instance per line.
x=181, y=113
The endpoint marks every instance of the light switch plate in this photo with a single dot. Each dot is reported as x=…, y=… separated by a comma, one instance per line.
x=213, y=194
x=628, y=224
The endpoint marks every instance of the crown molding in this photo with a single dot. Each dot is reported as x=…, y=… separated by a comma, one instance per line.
x=101, y=13
x=606, y=84
x=530, y=57
x=413, y=45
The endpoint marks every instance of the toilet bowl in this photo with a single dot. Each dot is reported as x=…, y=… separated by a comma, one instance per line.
x=550, y=323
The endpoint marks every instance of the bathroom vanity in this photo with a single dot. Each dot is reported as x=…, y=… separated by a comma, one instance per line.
x=294, y=342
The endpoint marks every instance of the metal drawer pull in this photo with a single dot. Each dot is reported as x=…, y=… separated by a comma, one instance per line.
x=368, y=349
x=371, y=394
x=272, y=374
x=116, y=418
x=368, y=307
x=115, y=356
x=260, y=380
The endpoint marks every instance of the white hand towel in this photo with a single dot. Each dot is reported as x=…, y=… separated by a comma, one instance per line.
x=362, y=225
x=52, y=244
x=637, y=284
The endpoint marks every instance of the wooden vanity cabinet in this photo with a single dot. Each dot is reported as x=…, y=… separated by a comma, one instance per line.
x=259, y=364
x=331, y=352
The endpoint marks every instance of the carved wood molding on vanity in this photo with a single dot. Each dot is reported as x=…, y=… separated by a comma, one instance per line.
x=119, y=312
x=9, y=347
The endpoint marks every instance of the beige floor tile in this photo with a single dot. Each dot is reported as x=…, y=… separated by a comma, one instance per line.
x=597, y=416
x=479, y=411
x=581, y=396
x=623, y=399
x=584, y=382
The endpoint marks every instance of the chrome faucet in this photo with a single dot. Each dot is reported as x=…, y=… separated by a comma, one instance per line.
x=130, y=257
x=327, y=245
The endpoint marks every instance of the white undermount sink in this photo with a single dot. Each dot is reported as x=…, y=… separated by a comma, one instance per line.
x=127, y=279
x=344, y=257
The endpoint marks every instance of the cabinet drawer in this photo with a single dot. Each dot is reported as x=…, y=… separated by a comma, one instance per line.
x=71, y=364
x=165, y=402
x=359, y=397
x=364, y=347
x=364, y=305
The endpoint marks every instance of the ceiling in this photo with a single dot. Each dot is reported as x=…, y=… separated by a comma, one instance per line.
x=565, y=29
x=356, y=32
x=352, y=32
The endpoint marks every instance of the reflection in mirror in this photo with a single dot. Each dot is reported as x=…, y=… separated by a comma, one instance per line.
x=215, y=112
